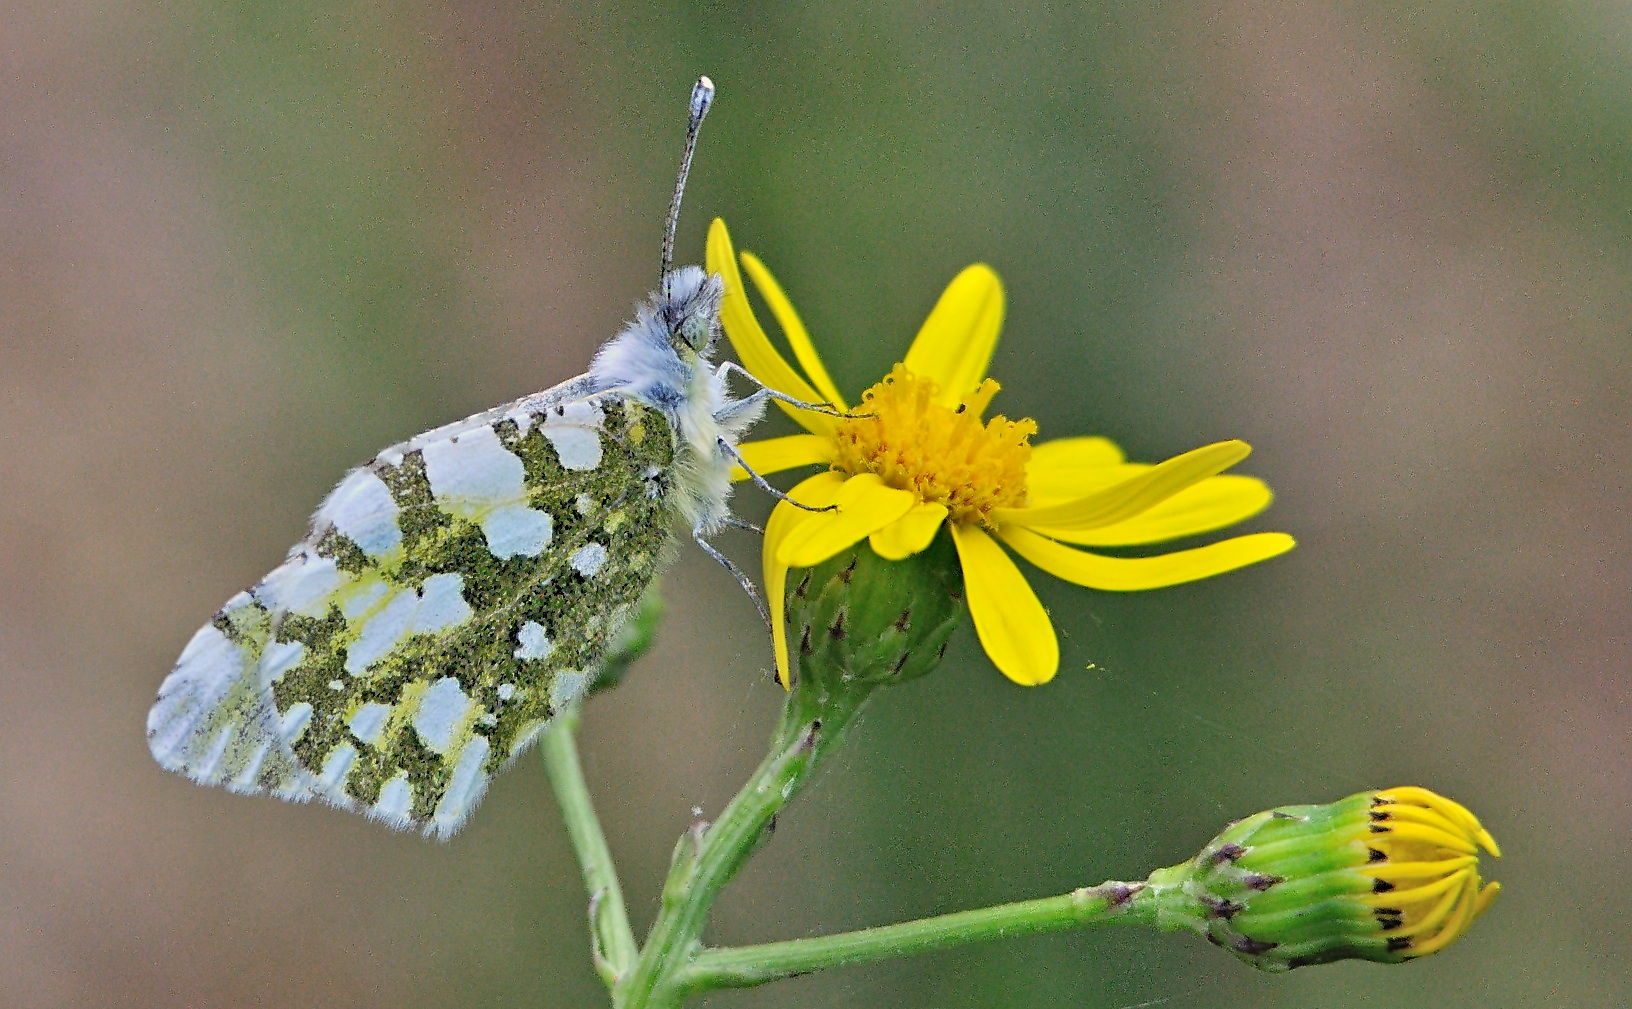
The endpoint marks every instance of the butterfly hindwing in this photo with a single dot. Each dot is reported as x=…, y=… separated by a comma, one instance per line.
x=453, y=594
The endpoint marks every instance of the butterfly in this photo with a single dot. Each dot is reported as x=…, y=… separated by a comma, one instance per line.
x=462, y=587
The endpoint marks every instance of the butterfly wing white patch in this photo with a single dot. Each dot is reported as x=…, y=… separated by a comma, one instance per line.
x=453, y=594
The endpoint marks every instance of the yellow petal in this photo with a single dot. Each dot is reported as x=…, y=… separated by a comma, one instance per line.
x=1449, y=808
x=773, y=455
x=865, y=505
x=1071, y=467
x=1134, y=574
x=1012, y=625
x=1464, y=904
x=1128, y=498
x=910, y=533
x=785, y=520
x=753, y=347
x=1076, y=453
x=956, y=342
x=792, y=328
x=1050, y=485
x=1214, y=503
x=775, y=574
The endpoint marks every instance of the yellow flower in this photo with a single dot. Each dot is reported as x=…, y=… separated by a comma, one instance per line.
x=917, y=456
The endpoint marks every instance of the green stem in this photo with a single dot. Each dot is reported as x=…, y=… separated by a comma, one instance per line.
x=614, y=942
x=706, y=860
x=746, y=966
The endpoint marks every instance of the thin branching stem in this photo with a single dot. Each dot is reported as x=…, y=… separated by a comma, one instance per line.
x=614, y=941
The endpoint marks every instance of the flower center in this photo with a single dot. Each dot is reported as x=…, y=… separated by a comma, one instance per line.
x=942, y=454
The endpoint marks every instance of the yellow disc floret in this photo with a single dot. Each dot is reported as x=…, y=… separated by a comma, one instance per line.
x=945, y=455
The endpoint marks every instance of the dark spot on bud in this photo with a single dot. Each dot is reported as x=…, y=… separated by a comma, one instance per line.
x=1381, y=886
x=1379, y=814
x=1261, y=880
x=836, y=631
x=849, y=569
x=1399, y=942
x=1116, y=894
x=956, y=594
x=804, y=642
x=1252, y=947
x=1373, y=855
x=961, y=407
x=904, y=621
x=1214, y=940
x=1378, y=828
x=1388, y=912
x=1301, y=961
x=1218, y=907
x=1226, y=853
x=560, y=409
x=1281, y=814
x=804, y=583
x=813, y=732
x=940, y=653
x=1390, y=924
x=900, y=663
x=770, y=825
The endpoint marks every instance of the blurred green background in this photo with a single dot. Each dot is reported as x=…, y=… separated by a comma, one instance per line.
x=244, y=246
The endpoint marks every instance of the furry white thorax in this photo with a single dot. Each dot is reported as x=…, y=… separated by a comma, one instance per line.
x=662, y=359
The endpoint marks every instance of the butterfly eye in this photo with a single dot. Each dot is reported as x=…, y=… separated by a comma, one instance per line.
x=697, y=330
x=690, y=308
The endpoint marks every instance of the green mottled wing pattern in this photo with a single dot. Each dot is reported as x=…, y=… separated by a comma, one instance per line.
x=453, y=595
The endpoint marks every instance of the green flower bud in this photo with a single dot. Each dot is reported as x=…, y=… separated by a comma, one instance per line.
x=1385, y=875
x=859, y=620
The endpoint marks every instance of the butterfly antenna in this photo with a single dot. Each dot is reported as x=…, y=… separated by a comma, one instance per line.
x=702, y=96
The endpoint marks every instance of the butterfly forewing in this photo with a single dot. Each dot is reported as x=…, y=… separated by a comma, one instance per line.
x=452, y=596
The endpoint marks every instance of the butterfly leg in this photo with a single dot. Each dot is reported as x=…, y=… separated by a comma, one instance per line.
x=736, y=523
x=765, y=485
x=764, y=392
x=737, y=573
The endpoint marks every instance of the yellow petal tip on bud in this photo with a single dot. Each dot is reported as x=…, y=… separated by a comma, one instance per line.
x=1387, y=875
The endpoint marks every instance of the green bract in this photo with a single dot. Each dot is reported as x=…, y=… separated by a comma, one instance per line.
x=863, y=620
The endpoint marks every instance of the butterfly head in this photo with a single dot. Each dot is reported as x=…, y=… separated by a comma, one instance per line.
x=688, y=305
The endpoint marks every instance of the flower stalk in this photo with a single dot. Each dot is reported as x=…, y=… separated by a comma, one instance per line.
x=746, y=966
x=860, y=623
x=612, y=940
x=709, y=856
x=1366, y=877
